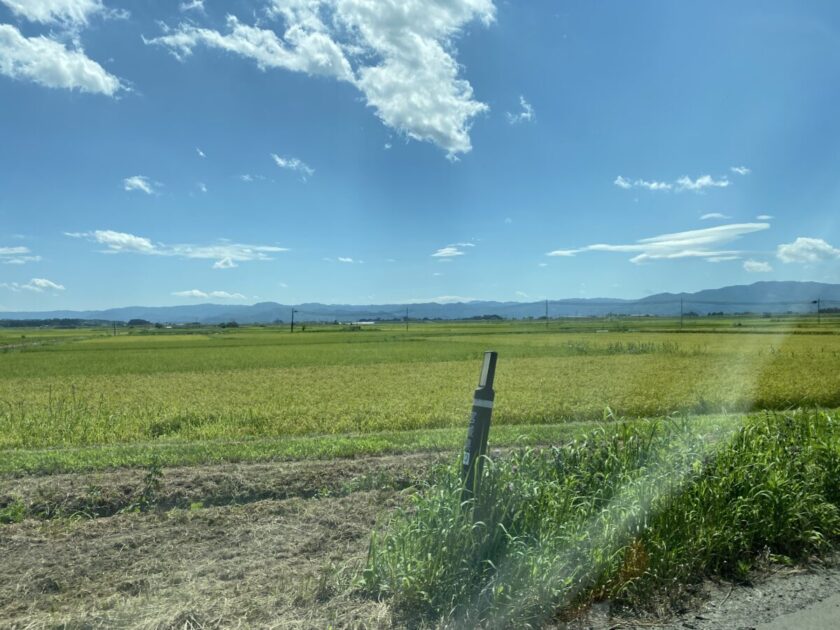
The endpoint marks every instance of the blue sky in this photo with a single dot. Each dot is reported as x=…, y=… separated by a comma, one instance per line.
x=350, y=151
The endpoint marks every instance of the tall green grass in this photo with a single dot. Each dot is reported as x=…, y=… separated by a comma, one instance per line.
x=625, y=514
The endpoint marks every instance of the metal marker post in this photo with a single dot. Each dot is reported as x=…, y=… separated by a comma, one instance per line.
x=476, y=445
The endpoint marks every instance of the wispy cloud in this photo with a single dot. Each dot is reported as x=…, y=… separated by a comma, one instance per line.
x=704, y=243
x=682, y=184
x=201, y=186
x=226, y=254
x=200, y=152
x=192, y=5
x=36, y=285
x=17, y=255
x=807, y=250
x=701, y=183
x=740, y=170
x=755, y=266
x=293, y=164
x=66, y=13
x=441, y=299
x=141, y=183
x=345, y=259
x=764, y=217
x=399, y=55
x=449, y=251
x=524, y=115
x=714, y=215
x=626, y=184
x=203, y=295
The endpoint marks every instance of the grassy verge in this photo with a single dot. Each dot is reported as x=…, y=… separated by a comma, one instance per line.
x=630, y=514
x=80, y=459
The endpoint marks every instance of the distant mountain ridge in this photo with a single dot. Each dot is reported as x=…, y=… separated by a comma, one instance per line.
x=760, y=297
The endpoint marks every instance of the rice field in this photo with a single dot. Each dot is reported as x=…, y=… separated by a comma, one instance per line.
x=92, y=389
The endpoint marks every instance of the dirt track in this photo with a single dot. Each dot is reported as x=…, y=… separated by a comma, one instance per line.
x=261, y=545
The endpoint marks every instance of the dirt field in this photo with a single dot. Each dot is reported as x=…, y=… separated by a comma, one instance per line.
x=258, y=545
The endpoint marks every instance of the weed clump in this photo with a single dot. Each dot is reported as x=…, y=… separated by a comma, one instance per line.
x=626, y=514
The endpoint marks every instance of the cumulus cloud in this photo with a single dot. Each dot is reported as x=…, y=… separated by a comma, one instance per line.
x=398, y=53
x=226, y=253
x=141, y=183
x=50, y=63
x=705, y=243
x=740, y=170
x=293, y=164
x=755, y=266
x=36, y=285
x=714, y=215
x=203, y=295
x=806, y=250
x=18, y=255
x=525, y=113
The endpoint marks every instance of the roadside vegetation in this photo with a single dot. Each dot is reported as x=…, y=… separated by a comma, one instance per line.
x=634, y=515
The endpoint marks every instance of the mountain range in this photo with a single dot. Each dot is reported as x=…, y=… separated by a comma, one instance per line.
x=760, y=297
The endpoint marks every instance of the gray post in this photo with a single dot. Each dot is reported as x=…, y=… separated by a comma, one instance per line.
x=479, y=429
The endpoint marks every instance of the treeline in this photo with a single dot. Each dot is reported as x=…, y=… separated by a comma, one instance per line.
x=55, y=323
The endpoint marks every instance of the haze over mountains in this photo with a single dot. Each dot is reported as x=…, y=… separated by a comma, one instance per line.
x=760, y=297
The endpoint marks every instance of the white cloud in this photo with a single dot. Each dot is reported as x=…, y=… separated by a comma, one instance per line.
x=714, y=215
x=525, y=114
x=192, y=5
x=682, y=184
x=345, y=259
x=200, y=152
x=67, y=12
x=704, y=243
x=542, y=264
x=17, y=255
x=36, y=285
x=203, y=295
x=201, y=186
x=447, y=252
x=755, y=266
x=626, y=184
x=398, y=53
x=224, y=263
x=522, y=294
x=225, y=253
x=50, y=63
x=764, y=217
x=702, y=182
x=740, y=170
x=139, y=182
x=119, y=241
x=293, y=164
x=806, y=250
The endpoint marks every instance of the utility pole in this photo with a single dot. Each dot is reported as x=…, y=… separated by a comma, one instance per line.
x=546, y=314
x=406, y=318
x=819, y=310
x=115, y=329
x=292, y=329
x=681, y=313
